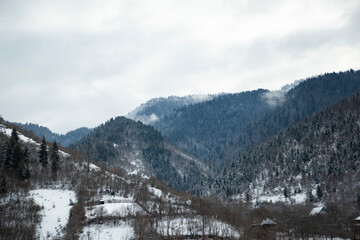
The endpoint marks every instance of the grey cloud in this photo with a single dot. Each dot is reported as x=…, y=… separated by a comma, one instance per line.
x=67, y=77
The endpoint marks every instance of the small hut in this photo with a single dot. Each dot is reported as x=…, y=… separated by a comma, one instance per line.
x=317, y=210
x=264, y=230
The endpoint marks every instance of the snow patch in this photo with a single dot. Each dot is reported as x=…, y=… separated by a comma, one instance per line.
x=55, y=212
x=121, y=209
x=121, y=230
x=157, y=192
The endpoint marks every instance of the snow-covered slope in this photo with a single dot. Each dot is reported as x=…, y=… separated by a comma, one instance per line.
x=55, y=211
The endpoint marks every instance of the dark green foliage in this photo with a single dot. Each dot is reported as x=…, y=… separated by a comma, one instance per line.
x=310, y=196
x=322, y=149
x=105, y=142
x=286, y=195
x=162, y=107
x=219, y=130
x=24, y=171
x=15, y=158
x=43, y=154
x=3, y=186
x=12, y=154
x=54, y=157
x=319, y=192
x=204, y=129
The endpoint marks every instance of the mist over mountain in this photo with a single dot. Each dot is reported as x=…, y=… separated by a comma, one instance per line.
x=318, y=158
x=157, y=108
x=219, y=130
x=274, y=158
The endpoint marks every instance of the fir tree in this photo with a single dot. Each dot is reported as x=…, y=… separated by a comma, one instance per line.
x=8, y=158
x=43, y=155
x=286, y=195
x=24, y=171
x=311, y=196
x=54, y=158
x=14, y=135
x=319, y=192
x=17, y=158
x=13, y=151
x=3, y=187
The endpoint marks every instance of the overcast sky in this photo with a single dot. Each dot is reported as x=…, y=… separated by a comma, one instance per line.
x=66, y=64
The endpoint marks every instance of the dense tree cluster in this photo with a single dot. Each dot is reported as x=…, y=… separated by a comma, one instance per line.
x=322, y=151
x=15, y=157
x=119, y=137
x=218, y=131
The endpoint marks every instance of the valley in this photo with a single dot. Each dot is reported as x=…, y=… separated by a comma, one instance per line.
x=252, y=165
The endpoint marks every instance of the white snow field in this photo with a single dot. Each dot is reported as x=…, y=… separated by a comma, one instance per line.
x=120, y=231
x=55, y=212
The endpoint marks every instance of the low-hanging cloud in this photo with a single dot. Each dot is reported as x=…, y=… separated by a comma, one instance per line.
x=77, y=63
x=274, y=98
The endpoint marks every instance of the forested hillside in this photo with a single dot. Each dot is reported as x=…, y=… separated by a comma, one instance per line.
x=219, y=130
x=319, y=157
x=140, y=149
x=157, y=108
x=63, y=139
x=204, y=129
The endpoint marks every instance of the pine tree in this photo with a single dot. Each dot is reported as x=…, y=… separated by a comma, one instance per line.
x=54, y=158
x=286, y=195
x=3, y=187
x=319, y=192
x=24, y=171
x=13, y=151
x=43, y=155
x=311, y=196
x=8, y=158
x=17, y=158
x=14, y=135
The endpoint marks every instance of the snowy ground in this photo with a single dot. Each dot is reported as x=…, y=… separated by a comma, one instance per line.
x=313, y=238
x=121, y=231
x=113, y=209
x=55, y=213
x=182, y=226
x=7, y=131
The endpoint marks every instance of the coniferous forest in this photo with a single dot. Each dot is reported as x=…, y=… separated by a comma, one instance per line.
x=252, y=165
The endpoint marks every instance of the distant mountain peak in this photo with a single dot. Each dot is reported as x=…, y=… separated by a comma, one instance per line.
x=155, y=109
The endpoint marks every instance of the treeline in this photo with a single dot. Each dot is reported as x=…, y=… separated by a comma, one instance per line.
x=321, y=152
x=121, y=140
x=220, y=130
x=15, y=157
x=203, y=129
x=63, y=139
